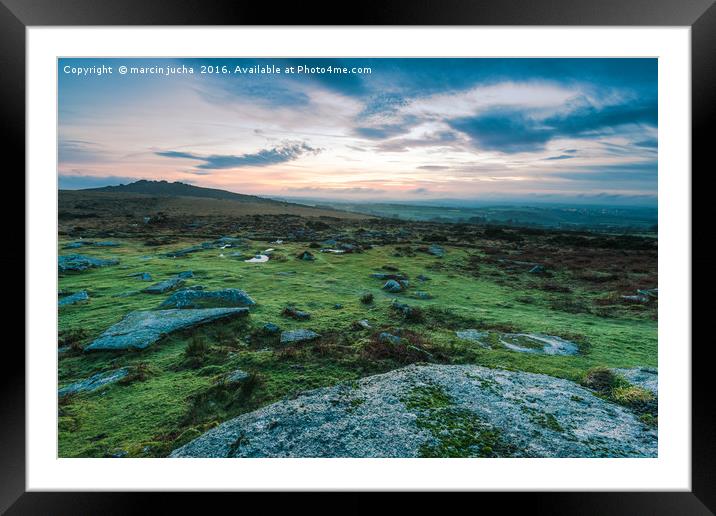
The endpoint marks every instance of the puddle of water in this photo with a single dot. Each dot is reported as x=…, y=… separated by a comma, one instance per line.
x=535, y=343
x=259, y=258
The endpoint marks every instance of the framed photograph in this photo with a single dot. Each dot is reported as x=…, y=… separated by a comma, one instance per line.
x=434, y=248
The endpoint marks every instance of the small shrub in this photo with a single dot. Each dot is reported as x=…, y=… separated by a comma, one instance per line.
x=602, y=380
x=196, y=351
x=554, y=287
x=139, y=372
x=367, y=298
x=72, y=337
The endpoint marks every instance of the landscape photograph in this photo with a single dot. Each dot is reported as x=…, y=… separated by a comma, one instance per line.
x=357, y=257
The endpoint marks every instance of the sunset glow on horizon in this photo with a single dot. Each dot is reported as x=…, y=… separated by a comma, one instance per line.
x=409, y=129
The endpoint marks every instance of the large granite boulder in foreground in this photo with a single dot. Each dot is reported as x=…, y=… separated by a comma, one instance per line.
x=207, y=299
x=141, y=329
x=435, y=410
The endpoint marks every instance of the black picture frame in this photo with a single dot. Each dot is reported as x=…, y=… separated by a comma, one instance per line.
x=700, y=15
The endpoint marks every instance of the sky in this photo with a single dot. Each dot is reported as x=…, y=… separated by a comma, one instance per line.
x=570, y=130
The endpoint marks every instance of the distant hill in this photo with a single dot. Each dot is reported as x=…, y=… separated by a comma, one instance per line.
x=176, y=189
x=134, y=201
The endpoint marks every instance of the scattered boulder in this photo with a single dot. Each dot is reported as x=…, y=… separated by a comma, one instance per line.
x=76, y=245
x=408, y=312
x=270, y=328
x=226, y=241
x=636, y=299
x=187, y=298
x=185, y=251
x=388, y=338
x=508, y=414
x=422, y=277
x=383, y=276
x=94, y=382
x=423, y=295
x=363, y=324
x=77, y=297
x=164, y=286
x=299, y=315
x=393, y=286
x=295, y=336
x=141, y=329
x=237, y=376
x=80, y=262
x=306, y=256
x=436, y=250
x=185, y=275
x=144, y=276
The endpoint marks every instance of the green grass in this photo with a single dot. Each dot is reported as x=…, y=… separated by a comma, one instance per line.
x=159, y=411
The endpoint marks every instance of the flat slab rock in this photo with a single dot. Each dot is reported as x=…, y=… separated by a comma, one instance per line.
x=535, y=415
x=80, y=262
x=94, y=382
x=141, y=329
x=77, y=297
x=205, y=298
x=164, y=286
x=294, y=336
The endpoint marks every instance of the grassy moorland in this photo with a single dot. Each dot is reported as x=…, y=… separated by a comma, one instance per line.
x=482, y=281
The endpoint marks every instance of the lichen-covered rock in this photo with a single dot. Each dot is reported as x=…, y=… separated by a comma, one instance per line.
x=295, y=336
x=94, y=382
x=645, y=377
x=238, y=376
x=164, y=286
x=80, y=262
x=389, y=338
x=77, y=297
x=435, y=410
x=141, y=329
x=207, y=299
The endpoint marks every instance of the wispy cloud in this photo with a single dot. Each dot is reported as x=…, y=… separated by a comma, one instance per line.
x=262, y=158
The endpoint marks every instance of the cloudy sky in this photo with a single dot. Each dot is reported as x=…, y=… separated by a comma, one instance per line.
x=409, y=129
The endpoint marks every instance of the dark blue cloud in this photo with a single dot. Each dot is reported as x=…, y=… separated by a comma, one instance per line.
x=262, y=158
x=560, y=157
x=514, y=130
